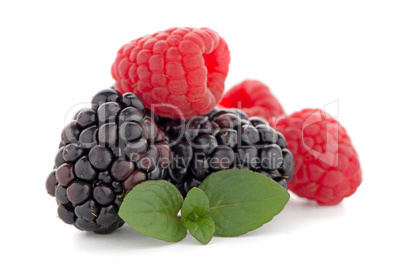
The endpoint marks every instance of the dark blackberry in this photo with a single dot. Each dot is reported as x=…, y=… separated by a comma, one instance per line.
x=70, y=133
x=65, y=174
x=108, y=112
x=225, y=139
x=100, y=157
x=59, y=159
x=104, y=152
x=51, y=183
x=135, y=178
x=88, y=137
x=86, y=117
x=72, y=152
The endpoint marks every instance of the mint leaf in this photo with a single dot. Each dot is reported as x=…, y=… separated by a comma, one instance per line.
x=195, y=205
x=203, y=229
x=241, y=200
x=151, y=208
x=195, y=216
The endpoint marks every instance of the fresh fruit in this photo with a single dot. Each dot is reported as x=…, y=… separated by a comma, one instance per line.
x=105, y=151
x=225, y=139
x=166, y=131
x=327, y=165
x=255, y=99
x=178, y=73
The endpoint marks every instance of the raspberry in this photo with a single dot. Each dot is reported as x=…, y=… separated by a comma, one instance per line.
x=225, y=139
x=105, y=151
x=255, y=99
x=180, y=68
x=327, y=165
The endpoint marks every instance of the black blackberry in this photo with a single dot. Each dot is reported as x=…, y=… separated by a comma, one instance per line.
x=225, y=139
x=104, y=152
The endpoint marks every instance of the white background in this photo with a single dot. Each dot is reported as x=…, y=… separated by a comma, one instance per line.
x=56, y=54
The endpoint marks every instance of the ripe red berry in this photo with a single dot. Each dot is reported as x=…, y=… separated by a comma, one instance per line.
x=182, y=68
x=327, y=165
x=255, y=99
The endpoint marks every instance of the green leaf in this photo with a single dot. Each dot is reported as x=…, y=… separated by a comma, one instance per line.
x=151, y=208
x=196, y=204
x=242, y=200
x=203, y=229
x=195, y=216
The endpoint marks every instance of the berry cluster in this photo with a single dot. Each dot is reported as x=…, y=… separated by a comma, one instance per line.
x=163, y=120
x=225, y=139
x=104, y=152
x=193, y=64
x=327, y=165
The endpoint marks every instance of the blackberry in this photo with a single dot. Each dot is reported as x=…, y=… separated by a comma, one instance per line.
x=104, y=152
x=225, y=139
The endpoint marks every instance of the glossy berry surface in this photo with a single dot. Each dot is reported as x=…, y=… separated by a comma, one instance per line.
x=104, y=152
x=224, y=139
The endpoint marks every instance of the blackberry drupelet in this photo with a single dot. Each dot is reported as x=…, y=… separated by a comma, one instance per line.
x=104, y=152
x=223, y=139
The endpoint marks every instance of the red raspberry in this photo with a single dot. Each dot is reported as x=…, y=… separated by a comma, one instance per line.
x=255, y=99
x=327, y=165
x=180, y=67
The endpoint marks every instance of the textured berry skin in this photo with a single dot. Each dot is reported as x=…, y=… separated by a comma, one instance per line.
x=183, y=67
x=327, y=165
x=255, y=99
x=104, y=152
x=221, y=140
